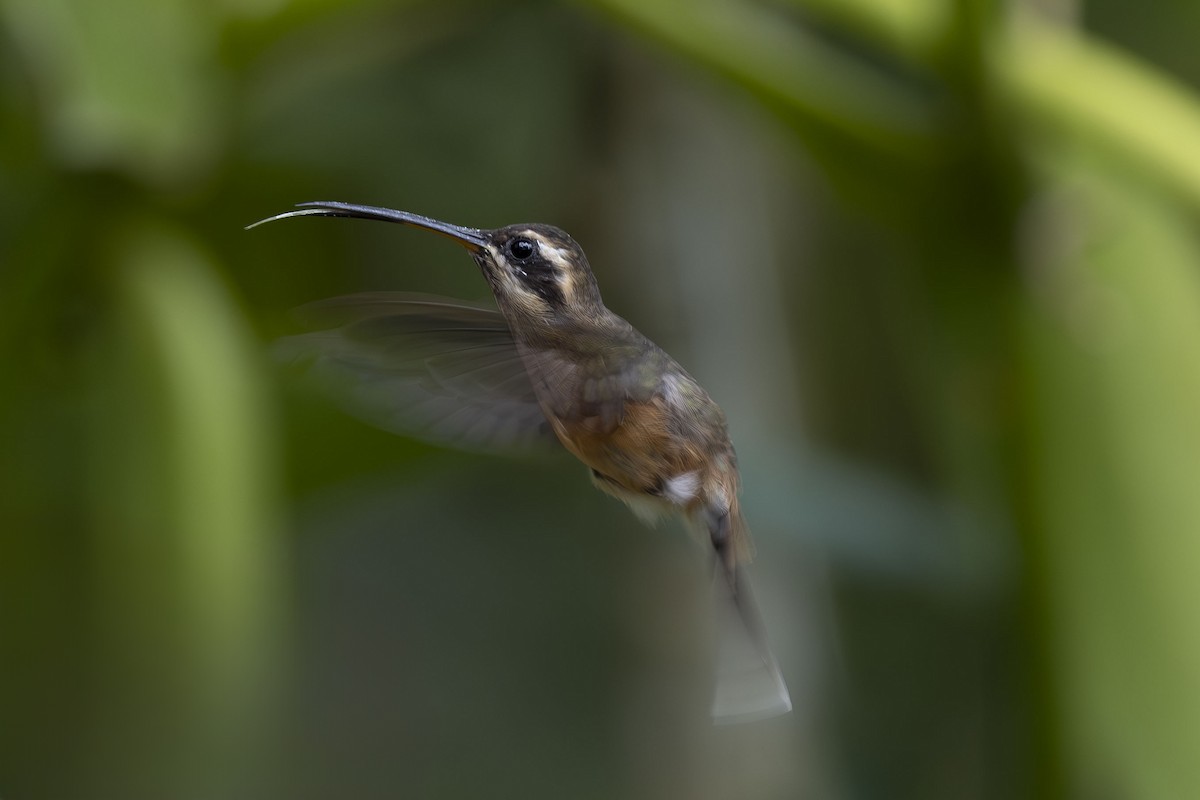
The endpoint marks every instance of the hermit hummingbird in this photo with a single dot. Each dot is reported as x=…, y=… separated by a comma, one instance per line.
x=554, y=364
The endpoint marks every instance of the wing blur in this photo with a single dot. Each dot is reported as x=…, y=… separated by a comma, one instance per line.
x=437, y=369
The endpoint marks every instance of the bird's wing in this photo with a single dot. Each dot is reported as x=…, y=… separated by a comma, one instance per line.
x=437, y=369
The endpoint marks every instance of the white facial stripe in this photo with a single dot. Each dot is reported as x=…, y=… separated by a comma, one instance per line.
x=561, y=259
x=504, y=274
x=555, y=255
x=516, y=295
x=497, y=256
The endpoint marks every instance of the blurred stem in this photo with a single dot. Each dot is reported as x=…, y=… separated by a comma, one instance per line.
x=215, y=397
x=190, y=621
x=1111, y=338
x=780, y=62
x=1126, y=110
x=1057, y=78
x=913, y=29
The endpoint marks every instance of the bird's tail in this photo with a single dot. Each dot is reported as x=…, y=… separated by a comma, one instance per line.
x=748, y=683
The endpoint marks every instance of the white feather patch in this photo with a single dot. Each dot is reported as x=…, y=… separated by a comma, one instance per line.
x=682, y=488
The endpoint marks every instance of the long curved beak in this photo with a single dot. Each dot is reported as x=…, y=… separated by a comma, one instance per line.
x=471, y=238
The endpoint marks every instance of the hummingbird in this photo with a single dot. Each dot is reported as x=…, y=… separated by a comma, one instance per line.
x=551, y=364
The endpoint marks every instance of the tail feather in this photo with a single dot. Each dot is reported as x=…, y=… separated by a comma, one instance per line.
x=749, y=685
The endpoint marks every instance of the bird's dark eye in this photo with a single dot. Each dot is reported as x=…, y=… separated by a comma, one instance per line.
x=521, y=249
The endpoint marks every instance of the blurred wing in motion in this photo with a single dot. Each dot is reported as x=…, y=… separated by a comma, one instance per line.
x=438, y=369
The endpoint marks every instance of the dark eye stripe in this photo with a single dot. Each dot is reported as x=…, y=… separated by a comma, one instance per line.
x=547, y=289
x=537, y=275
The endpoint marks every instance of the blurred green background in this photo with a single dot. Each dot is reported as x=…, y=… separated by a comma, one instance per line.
x=936, y=258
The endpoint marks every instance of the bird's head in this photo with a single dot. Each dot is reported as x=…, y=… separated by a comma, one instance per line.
x=538, y=274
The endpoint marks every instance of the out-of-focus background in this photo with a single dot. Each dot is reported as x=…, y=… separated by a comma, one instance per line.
x=937, y=259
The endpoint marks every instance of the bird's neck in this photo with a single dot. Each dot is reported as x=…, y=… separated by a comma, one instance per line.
x=579, y=326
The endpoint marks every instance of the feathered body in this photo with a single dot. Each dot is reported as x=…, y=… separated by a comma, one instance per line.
x=554, y=362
